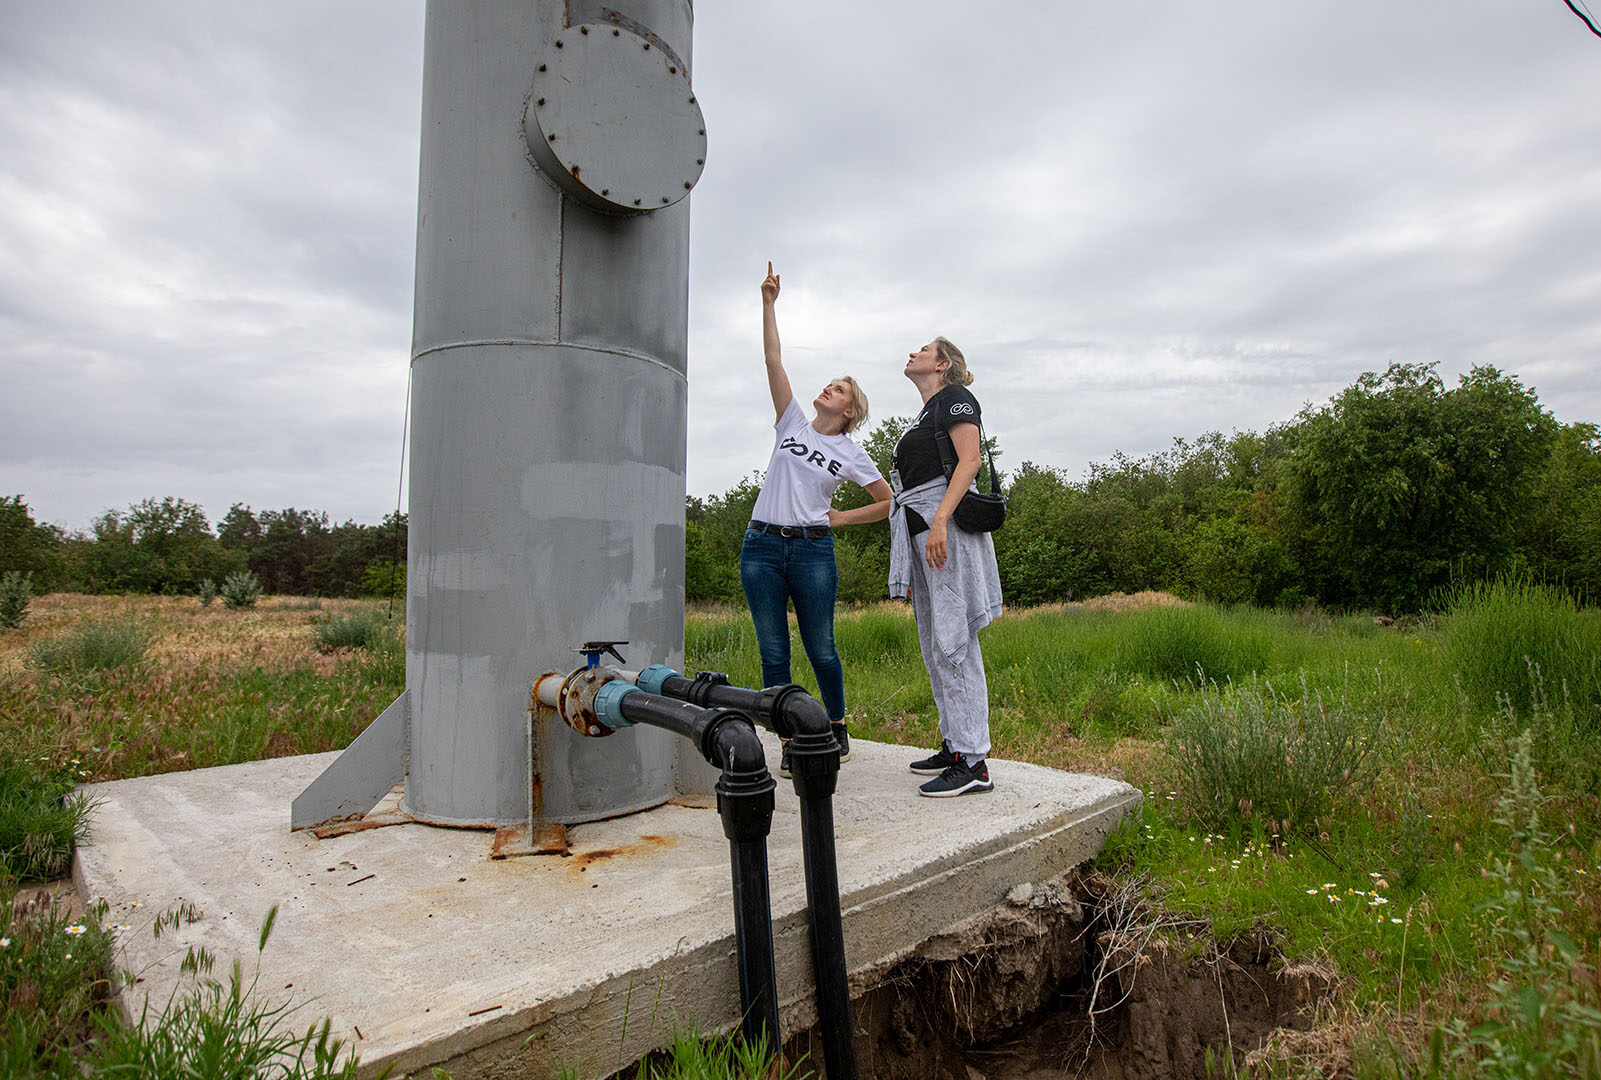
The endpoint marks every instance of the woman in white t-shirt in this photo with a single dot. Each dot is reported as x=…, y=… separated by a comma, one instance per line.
x=788, y=553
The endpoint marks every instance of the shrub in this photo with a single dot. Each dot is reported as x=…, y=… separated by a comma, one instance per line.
x=357, y=631
x=1250, y=751
x=1494, y=630
x=208, y=592
x=240, y=590
x=16, y=589
x=92, y=648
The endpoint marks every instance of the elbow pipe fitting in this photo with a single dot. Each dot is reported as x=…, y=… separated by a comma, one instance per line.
x=787, y=710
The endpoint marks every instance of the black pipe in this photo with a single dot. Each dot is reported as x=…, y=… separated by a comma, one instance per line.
x=794, y=714
x=727, y=740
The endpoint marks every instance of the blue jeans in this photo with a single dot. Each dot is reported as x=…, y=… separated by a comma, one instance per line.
x=775, y=570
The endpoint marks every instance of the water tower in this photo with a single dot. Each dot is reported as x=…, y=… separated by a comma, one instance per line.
x=559, y=144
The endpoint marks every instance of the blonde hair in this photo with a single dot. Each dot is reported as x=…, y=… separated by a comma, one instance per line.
x=956, y=374
x=858, y=405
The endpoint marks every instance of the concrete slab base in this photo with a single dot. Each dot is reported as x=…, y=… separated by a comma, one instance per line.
x=424, y=951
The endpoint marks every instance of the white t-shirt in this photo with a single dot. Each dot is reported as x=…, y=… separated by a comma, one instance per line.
x=805, y=469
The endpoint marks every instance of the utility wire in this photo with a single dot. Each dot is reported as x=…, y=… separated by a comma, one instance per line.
x=1585, y=15
x=394, y=561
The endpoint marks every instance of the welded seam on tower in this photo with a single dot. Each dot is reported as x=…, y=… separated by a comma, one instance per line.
x=606, y=350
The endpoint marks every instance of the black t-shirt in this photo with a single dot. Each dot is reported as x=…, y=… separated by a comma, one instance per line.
x=916, y=456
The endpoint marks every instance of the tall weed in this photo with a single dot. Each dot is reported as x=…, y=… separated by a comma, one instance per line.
x=1543, y=1020
x=1245, y=751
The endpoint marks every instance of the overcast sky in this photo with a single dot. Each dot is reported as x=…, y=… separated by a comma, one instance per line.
x=1138, y=220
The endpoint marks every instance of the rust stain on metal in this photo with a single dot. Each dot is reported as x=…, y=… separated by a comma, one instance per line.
x=695, y=802
x=515, y=841
x=355, y=823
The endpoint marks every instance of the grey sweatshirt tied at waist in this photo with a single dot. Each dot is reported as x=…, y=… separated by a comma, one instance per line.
x=966, y=593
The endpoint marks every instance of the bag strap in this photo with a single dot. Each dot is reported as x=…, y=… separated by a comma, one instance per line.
x=947, y=452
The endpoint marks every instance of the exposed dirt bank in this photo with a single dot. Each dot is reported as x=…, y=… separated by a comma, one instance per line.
x=1066, y=978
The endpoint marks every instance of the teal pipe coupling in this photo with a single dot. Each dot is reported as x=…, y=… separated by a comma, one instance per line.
x=608, y=703
x=651, y=679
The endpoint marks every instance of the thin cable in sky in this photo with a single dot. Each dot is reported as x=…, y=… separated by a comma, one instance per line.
x=1585, y=15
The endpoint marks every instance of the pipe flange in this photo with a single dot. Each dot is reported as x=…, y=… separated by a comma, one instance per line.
x=577, y=700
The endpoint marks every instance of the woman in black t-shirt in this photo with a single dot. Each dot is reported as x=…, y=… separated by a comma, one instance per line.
x=949, y=574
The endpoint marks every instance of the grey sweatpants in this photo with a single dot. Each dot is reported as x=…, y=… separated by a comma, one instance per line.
x=961, y=692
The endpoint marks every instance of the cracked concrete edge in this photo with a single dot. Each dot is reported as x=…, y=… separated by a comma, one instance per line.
x=701, y=984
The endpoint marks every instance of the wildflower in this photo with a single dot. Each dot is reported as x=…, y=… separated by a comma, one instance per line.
x=1333, y=899
x=1396, y=921
x=122, y=926
x=1376, y=901
x=68, y=956
x=76, y=928
x=1330, y=885
x=5, y=943
x=1311, y=892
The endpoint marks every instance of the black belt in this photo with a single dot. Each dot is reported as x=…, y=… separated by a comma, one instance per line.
x=810, y=532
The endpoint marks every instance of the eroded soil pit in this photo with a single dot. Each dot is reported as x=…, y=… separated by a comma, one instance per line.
x=1072, y=977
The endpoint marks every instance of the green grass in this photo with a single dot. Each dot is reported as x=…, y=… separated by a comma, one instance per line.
x=1340, y=784
x=56, y=974
x=691, y=1056
x=1331, y=779
x=41, y=817
x=1506, y=638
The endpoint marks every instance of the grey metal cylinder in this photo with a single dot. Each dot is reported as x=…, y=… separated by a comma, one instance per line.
x=547, y=447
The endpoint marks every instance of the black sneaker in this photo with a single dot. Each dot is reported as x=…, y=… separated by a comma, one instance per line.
x=842, y=737
x=937, y=762
x=962, y=778
x=783, y=759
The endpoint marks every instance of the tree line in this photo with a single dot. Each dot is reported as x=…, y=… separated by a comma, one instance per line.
x=168, y=546
x=1395, y=489
x=1392, y=491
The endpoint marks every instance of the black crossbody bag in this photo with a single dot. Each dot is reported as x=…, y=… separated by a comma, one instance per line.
x=978, y=511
